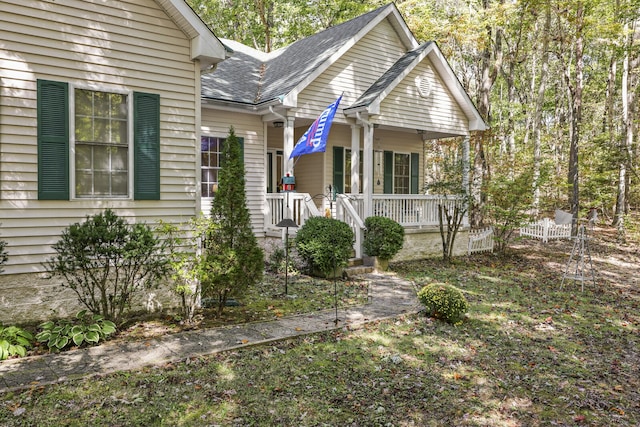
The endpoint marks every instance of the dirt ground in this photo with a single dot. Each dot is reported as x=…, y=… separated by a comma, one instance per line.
x=616, y=264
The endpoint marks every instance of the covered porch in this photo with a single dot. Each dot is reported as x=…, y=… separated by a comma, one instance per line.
x=412, y=211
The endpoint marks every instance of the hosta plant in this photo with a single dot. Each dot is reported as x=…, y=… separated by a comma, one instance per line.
x=443, y=301
x=14, y=341
x=86, y=328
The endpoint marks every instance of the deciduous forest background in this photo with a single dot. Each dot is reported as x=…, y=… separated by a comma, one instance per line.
x=556, y=80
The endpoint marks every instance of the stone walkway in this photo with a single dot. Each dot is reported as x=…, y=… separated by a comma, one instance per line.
x=390, y=296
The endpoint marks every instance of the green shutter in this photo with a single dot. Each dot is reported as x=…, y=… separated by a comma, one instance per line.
x=146, y=146
x=53, y=140
x=338, y=170
x=241, y=142
x=415, y=173
x=388, y=172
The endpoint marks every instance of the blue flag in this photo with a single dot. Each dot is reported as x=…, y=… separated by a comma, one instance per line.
x=314, y=139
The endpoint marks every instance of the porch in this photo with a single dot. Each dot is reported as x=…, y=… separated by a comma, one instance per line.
x=412, y=211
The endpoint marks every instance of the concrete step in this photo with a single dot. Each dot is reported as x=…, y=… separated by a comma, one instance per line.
x=358, y=270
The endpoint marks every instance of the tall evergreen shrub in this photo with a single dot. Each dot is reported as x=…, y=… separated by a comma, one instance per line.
x=233, y=257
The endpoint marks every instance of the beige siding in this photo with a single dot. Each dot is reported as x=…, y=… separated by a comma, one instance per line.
x=353, y=73
x=384, y=140
x=110, y=46
x=251, y=128
x=438, y=112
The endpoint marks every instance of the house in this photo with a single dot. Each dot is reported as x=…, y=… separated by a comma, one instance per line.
x=396, y=94
x=125, y=105
x=99, y=108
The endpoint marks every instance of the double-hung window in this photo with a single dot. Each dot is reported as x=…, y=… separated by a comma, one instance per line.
x=210, y=150
x=211, y=162
x=112, y=132
x=101, y=144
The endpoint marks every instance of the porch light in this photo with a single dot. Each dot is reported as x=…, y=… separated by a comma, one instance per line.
x=421, y=131
x=278, y=124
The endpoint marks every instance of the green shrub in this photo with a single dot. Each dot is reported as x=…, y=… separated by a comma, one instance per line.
x=4, y=255
x=86, y=328
x=324, y=244
x=383, y=237
x=443, y=302
x=14, y=341
x=106, y=261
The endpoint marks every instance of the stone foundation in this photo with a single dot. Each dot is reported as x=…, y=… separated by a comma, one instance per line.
x=421, y=243
x=28, y=298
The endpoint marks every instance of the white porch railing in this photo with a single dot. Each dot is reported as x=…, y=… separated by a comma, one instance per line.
x=296, y=206
x=409, y=210
x=546, y=229
x=346, y=212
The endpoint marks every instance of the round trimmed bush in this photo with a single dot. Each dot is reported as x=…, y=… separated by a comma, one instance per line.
x=443, y=302
x=324, y=244
x=383, y=237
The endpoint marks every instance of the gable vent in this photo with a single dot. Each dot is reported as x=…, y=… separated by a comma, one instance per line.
x=424, y=86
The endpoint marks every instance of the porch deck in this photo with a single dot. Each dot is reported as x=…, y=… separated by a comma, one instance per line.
x=409, y=210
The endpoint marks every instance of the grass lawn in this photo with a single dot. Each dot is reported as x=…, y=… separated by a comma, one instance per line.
x=528, y=354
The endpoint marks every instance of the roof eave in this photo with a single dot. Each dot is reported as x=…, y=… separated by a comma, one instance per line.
x=205, y=46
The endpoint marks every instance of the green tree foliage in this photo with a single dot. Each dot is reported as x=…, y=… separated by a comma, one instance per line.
x=4, y=255
x=268, y=25
x=233, y=260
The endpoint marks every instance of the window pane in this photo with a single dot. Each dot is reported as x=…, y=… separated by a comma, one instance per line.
x=118, y=132
x=84, y=131
x=119, y=158
x=101, y=183
x=83, y=183
x=101, y=158
x=83, y=100
x=83, y=157
x=119, y=106
x=119, y=184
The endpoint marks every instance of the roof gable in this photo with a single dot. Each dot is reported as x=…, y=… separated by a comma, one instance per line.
x=281, y=75
x=372, y=98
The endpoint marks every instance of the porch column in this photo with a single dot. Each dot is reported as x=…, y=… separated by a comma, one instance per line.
x=355, y=159
x=367, y=166
x=465, y=165
x=287, y=147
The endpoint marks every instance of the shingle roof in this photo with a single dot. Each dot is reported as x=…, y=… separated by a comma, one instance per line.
x=376, y=89
x=253, y=77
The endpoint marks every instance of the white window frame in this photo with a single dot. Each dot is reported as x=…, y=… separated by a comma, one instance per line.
x=394, y=171
x=221, y=140
x=72, y=140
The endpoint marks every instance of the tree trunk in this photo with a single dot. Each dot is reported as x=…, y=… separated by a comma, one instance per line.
x=576, y=115
x=537, y=124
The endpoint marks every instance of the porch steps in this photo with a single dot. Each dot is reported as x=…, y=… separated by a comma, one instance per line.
x=357, y=268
